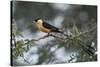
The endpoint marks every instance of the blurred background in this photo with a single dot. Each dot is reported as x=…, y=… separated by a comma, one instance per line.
x=76, y=20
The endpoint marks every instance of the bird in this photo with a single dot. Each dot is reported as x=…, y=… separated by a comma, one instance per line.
x=45, y=27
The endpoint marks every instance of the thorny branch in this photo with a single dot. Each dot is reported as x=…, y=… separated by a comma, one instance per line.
x=81, y=33
x=25, y=59
x=67, y=37
x=48, y=35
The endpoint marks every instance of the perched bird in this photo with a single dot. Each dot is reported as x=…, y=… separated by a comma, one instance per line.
x=45, y=27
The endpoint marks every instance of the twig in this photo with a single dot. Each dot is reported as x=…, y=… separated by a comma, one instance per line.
x=40, y=38
x=81, y=33
x=48, y=35
x=67, y=37
x=25, y=60
x=56, y=36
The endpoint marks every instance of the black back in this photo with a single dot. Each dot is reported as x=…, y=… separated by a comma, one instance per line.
x=53, y=28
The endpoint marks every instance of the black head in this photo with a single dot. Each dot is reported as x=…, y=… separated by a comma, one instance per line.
x=37, y=19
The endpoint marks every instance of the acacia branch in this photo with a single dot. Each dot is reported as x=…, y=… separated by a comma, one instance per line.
x=40, y=38
x=48, y=35
x=81, y=33
x=66, y=37
x=25, y=60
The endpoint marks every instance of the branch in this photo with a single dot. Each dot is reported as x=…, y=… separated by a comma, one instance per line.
x=48, y=35
x=81, y=33
x=66, y=37
x=25, y=60
x=40, y=38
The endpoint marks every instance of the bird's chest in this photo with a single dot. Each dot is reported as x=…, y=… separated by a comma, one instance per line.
x=42, y=28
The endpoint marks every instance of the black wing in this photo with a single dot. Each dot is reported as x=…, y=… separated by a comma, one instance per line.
x=46, y=25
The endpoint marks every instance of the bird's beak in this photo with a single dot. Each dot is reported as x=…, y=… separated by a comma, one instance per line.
x=33, y=21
